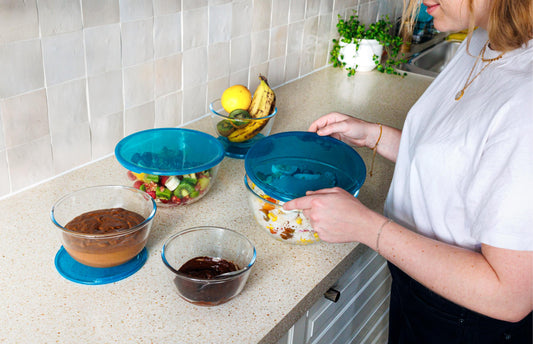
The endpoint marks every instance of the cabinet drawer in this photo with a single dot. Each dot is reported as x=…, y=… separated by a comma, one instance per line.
x=367, y=272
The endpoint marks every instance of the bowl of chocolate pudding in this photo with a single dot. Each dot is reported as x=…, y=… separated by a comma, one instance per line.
x=104, y=226
x=208, y=265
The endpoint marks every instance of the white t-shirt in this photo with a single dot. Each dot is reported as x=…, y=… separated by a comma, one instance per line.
x=464, y=171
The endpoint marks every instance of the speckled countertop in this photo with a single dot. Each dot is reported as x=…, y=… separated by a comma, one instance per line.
x=38, y=305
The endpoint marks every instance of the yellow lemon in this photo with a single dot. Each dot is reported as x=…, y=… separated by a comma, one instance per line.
x=236, y=97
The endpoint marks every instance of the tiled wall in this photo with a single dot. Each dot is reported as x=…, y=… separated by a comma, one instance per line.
x=78, y=75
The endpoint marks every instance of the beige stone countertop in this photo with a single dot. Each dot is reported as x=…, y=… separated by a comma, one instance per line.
x=38, y=305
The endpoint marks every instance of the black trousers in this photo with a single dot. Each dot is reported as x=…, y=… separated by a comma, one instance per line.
x=419, y=316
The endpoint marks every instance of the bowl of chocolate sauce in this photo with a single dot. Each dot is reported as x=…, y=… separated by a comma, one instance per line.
x=208, y=265
x=104, y=226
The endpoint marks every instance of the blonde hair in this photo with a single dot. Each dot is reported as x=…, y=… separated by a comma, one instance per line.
x=510, y=22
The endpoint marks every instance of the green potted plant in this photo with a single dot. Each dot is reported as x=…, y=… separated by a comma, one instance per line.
x=364, y=48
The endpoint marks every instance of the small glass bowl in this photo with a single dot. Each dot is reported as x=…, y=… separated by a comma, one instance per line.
x=212, y=242
x=107, y=249
x=234, y=149
x=287, y=226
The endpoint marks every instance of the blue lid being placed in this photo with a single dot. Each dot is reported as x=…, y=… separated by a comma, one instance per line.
x=169, y=151
x=286, y=165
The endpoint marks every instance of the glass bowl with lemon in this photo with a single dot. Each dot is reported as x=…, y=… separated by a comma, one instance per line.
x=240, y=119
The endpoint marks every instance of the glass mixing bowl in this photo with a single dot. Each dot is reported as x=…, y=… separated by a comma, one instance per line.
x=217, y=244
x=103, y=249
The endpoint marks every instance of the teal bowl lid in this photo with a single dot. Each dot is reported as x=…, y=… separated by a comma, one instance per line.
x=169, y=151
x=286, y=165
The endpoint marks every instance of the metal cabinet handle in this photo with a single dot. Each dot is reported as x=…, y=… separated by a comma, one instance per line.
x=332, y=295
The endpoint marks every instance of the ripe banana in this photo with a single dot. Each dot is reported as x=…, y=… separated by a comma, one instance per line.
x=263, y=104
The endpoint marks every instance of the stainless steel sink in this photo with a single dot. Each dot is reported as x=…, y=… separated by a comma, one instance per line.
x=432, y=60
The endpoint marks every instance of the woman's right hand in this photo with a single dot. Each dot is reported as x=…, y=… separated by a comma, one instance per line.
x=346, y=128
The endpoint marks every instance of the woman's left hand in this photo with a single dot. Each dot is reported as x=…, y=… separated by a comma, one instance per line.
x=336, y=215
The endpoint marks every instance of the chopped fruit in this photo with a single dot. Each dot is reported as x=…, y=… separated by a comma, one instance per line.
x=172, y=183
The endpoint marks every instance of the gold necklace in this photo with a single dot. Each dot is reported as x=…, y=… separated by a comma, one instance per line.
x=461, y=92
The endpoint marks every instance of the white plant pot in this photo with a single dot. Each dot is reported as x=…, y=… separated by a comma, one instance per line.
x=360, y=59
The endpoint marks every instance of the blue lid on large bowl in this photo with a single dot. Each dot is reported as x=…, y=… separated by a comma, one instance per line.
x=286, y=165
x=169, y=151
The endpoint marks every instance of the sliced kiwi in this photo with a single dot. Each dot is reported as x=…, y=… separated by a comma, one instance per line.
x=240, y=115
x=225, y=127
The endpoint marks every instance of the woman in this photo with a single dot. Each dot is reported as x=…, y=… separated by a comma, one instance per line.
x=458, y=224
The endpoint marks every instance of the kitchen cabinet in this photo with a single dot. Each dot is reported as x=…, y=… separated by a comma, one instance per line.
x=360, y=315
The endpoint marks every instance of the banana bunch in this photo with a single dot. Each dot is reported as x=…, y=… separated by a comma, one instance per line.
x=263, y=104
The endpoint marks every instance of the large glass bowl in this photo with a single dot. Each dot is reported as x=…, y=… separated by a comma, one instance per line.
x=175, y=166
x=113, y=248
x=212, y=242
x=238, y=149
x=289, y=226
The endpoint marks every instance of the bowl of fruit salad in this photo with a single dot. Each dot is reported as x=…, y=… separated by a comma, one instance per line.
x=176, y=166
x=241, y=120
x=285, y=166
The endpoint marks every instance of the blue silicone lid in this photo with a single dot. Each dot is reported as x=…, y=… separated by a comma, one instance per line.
x=286, y=165
x=169, y=151
x=83, y=274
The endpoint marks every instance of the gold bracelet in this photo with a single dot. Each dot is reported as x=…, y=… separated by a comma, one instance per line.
x=379, y=234
x=375, y=149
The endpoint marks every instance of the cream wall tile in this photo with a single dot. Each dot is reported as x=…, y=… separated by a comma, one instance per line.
x=5, y=186
x=194, y=103
x=191, y=4
x=218, y=60
x=105, y=94
x=195, y=23
x=368, y=12
x=326, y=6
x=30, y=163
x=29, y=109
x=137, y=42
x=71, y=148
x=162, y=7
x=312, y=8
x=309, y=45
x=25, y=72
x=241, y=18
x=254, y=74
x=280, y=12
x=100, y=12
x=220, y=21
x=167, y=35
x=195, y=67
x=261, y=13
x=241, y=77
x=18, y=20
x=240, y=53
x=167, y=75
x=292, y=67
x=106, y=131
x=63, y=57
x=276, y=71
x=138, y=85
x=67, y=106
x=323, y=40
x=260, y=46
x=296, y=10
x=215, y=88
x=168, y=110
x=59, y=16
x=135, y=9
x=2, y=137
x=103, y=48
x=139, y=118
x=278, y=41
x=295, y=37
